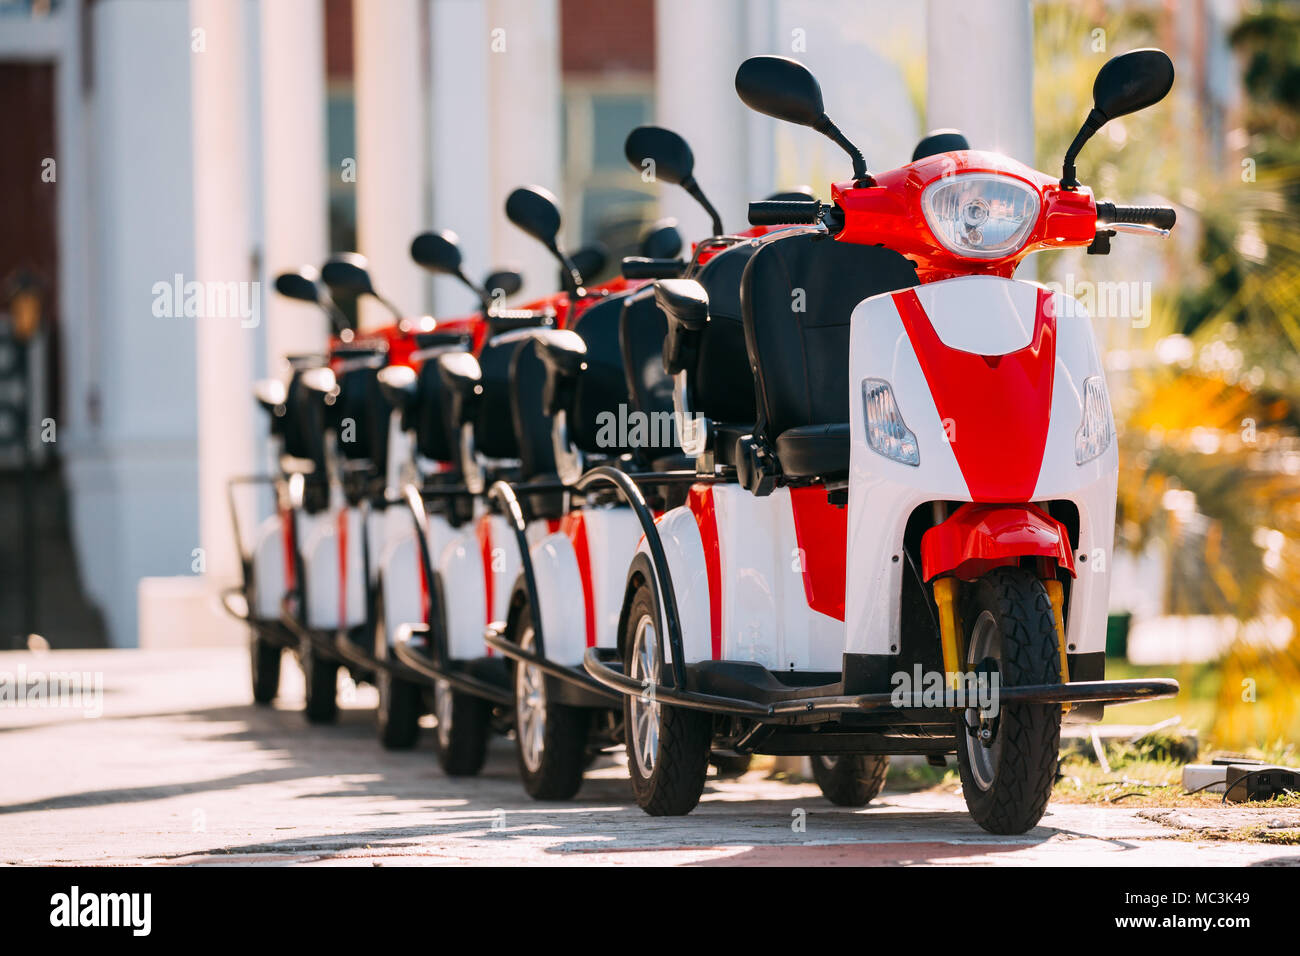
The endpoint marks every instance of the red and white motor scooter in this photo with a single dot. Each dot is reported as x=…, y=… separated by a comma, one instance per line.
x=892, y=556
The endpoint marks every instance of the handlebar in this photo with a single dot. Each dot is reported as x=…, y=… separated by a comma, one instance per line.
x=1161, y=217
x=782, y=212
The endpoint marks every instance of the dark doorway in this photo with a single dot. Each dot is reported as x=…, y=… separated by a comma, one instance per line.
x=40, y=590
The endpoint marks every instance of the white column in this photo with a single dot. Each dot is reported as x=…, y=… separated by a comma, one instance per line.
x=698, y=47
x=390, y=124
x=523, y=44
x=223, y=256
x=294, y=186
x=131, y=470
x=464, y=199
x=980, y=73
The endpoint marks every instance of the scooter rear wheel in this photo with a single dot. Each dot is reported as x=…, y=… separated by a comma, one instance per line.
x=667, y=747
x=401, y=702
x=321, y=676
x=264, y=659
x=550, y=737
x=464, y=725
x=850, y=780
x=1008, y=761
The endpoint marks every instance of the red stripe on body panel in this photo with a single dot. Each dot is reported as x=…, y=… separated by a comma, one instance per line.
x=700, y=501
x=290, y=550
x=821, y=530
x=999, y=407
x=484, y=533
x=574, y=527
x=343, y=567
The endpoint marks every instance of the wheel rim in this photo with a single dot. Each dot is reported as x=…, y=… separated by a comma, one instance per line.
x=530, y=707
x=442, y=709
x=985, y=649
x=645, y=706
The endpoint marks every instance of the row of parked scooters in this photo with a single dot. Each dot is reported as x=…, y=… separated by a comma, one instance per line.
x=828, y=486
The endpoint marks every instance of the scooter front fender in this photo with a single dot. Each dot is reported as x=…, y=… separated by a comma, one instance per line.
x=978, y=537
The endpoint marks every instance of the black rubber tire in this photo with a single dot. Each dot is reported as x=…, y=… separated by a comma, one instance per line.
x=676, y=781
x=564, y=737
x=730, y=765
x=850, y=780
x=401, y=702
x=264, y=660
x=1029, y=734
x=321, y=677
x=462, y=747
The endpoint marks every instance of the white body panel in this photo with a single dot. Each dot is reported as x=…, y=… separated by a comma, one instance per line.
x=764, y=610
x=269, y=568
x=465, y=574
x=400, y=571
x=973, y=313
x=611, y=540
x=334, y=601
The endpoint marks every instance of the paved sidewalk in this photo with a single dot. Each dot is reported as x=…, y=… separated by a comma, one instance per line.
x=181, y=768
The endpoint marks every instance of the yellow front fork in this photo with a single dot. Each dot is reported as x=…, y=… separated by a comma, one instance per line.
x=1056, y=594
x=945, y=596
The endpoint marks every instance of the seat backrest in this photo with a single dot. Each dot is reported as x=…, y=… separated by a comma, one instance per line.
x=494, y=430
x=642, y=329
x=602, y=385
x=362, y=418
x=722, y=384
x=427, y=414
x=529, y=421
x=304, y=422
x=797, y=295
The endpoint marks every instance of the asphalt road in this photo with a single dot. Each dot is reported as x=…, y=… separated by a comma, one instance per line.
x=181, y=768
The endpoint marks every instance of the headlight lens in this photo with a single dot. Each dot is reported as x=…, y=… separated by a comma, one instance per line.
x=980, y=215
x=1094, y=434
x=887, y=433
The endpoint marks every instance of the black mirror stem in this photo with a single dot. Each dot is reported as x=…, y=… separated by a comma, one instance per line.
x=1069, y=176
x=860, y=175
x=695, y=192
x=574, y=284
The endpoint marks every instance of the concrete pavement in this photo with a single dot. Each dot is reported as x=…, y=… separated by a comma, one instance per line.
x=182, y=769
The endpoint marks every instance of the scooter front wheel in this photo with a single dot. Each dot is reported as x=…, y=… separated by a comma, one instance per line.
x=550, y=738
x=667, y=747
x=1008, y=754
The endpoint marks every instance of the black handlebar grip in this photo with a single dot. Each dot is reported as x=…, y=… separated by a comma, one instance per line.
x=780, y=212
x=1162, y=217
x=642, y=267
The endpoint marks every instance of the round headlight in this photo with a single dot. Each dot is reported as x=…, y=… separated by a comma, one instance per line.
x=980, y=215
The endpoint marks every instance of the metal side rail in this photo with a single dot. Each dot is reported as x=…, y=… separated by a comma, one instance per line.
x=235, y=603
x=494, y=635
x=1109, y=691
x=406, y=641
x=627, y=484
x=322, y=641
